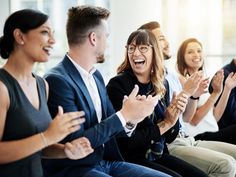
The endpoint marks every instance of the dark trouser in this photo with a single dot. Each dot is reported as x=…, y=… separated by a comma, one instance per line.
x=226, y=135
x=174, y=167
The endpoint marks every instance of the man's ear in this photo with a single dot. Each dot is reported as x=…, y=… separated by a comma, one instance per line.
x=92, y=38
x=18, y=36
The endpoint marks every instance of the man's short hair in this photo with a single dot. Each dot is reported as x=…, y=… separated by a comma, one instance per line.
x=81, y=20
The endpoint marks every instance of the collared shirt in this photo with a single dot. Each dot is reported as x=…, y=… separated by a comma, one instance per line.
x=175, y=86
x=93, y=92
x=91, y=86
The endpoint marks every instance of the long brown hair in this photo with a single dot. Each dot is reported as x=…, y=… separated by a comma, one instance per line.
x=157, y=73
x=181, y=64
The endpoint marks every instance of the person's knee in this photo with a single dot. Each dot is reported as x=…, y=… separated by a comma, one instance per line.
x=227, y=166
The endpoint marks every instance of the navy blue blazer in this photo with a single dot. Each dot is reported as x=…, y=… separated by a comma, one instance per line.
x=66, y=88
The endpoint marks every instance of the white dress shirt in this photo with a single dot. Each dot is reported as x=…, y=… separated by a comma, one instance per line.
x=94, y=94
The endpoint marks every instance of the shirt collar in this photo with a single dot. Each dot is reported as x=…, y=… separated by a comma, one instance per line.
x=81, y=70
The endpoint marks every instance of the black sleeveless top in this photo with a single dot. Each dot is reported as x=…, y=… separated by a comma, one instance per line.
x=24, y=120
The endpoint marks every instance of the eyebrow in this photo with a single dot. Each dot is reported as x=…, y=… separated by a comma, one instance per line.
x=161, y=36
x=46, y=27
x=50, y=29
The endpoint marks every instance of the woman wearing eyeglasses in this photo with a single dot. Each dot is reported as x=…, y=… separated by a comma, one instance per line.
x=143, y=66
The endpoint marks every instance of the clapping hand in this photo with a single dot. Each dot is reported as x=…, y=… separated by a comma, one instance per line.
x=78, y=149
x=176, y=107
x=217, y=82
x=230, y=81
x=202, y=88
x=192, y=83
x=136, y=107
x=62, y=125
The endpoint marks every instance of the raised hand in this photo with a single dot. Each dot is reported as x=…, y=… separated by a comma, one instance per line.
x=202, y=88
x=62, y=125
x=135, y=107
x=217, y=82
x=78, y=148
x=176, y=107
x=192, y=83
x=172, y=112
x=230, y=81
x=181, y=101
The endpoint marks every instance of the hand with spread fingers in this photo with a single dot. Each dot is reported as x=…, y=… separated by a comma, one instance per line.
x=62, y=125
x=202, y=88
x=78, y=148
x=176, y=107
x=192, y=83
x=181, y=101
x=134, y=102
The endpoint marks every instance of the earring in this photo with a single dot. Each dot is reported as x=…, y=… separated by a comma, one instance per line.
x=22, y=42
x=152, y=70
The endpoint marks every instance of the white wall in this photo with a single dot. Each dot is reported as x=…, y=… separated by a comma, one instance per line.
x=126, y=17
x=4, y=12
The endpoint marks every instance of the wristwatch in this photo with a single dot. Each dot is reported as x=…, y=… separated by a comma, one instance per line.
x=194, y=98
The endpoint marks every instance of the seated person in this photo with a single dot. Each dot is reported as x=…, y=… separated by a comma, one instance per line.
x=75, y=84
x=26, y=130
x=225, y=107
x=183, y=146
x=143, y=66
x=202, y=123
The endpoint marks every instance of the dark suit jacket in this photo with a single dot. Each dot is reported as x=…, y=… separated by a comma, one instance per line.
x=134, y=148
x=66, y=88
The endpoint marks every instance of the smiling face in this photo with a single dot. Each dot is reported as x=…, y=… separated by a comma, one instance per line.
x=163, y=43
x=144, y=58
x=193, y=56
x=39, y=42
x=141, y=62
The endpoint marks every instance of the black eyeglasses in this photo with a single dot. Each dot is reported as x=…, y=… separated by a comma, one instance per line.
x=143, y=48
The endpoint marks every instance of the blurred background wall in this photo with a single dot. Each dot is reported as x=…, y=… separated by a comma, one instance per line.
x=211, y=21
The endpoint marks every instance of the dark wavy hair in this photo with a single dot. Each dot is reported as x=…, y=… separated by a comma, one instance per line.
x=25, y=20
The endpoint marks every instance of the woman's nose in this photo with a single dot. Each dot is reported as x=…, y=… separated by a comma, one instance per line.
x=136, y=51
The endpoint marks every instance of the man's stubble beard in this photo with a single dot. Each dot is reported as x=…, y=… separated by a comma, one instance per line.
x=101, y=59
x=166, y=57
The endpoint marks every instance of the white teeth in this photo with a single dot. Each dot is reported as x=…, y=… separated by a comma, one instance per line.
x=47, y=49
x=139, y=60
x=197, y=60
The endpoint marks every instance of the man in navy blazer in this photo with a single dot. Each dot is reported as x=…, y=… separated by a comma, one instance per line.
x=76, y=85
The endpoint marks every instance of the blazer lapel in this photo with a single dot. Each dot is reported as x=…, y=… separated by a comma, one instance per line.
x=76, y=77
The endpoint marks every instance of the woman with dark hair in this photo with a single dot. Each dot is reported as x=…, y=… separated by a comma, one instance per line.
x=143, y=65
x=25, y=123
